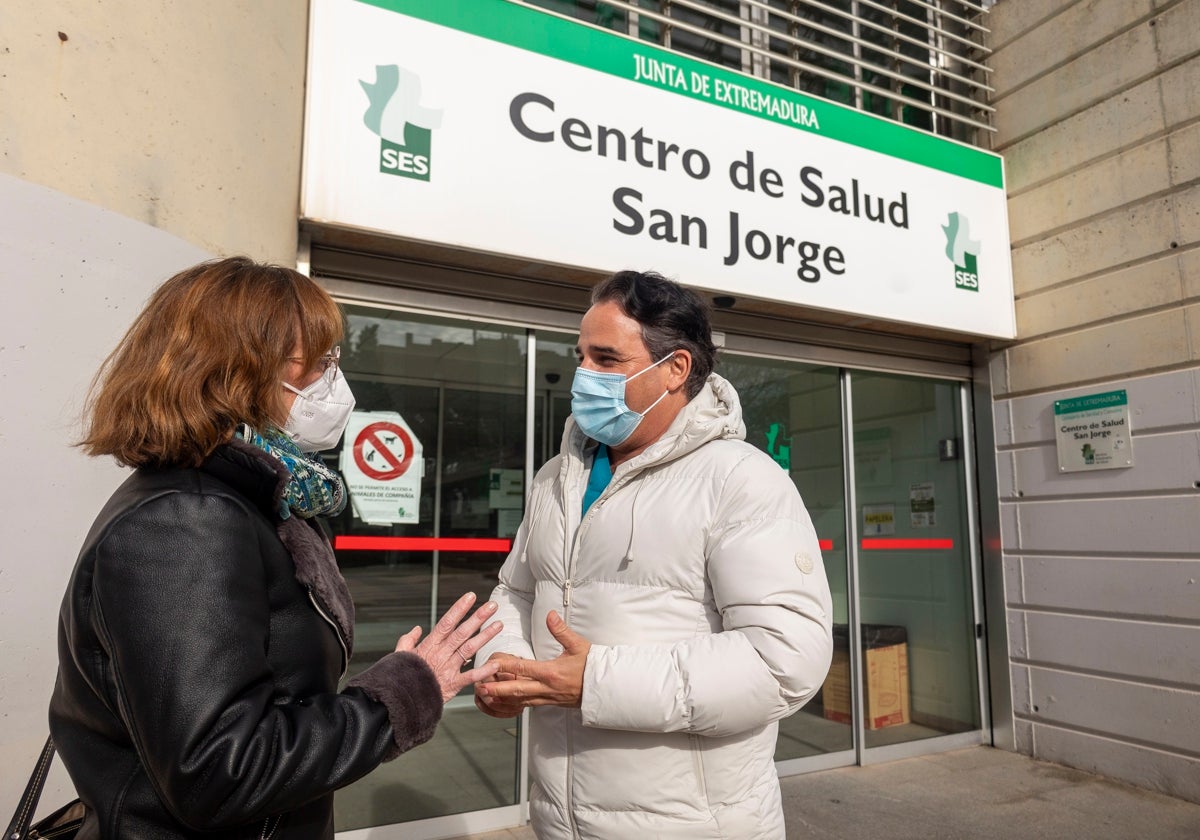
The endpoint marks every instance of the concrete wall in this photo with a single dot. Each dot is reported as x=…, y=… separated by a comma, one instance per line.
x=1098, y=114
x=74, y=277
x=138, y=138
x=184, y=116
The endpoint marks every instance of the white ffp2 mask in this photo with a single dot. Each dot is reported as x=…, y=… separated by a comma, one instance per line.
x=320, y=413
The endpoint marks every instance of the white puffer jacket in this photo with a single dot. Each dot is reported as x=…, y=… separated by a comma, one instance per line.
x=698, y=579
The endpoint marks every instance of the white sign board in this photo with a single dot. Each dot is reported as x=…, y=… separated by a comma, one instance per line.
x=382, y=465
x=506, y=489
x=508, y=520
x=500, y=128
x=1092, y=432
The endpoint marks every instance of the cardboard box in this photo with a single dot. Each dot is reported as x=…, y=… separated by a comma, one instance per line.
x=885, y=658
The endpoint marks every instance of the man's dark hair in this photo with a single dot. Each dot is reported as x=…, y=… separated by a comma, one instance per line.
x=672, y=318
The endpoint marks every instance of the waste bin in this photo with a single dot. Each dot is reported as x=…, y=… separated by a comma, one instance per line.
x=885, y=658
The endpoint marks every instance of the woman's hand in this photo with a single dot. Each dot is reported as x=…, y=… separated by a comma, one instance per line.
x=498, y=707
x=452, y=644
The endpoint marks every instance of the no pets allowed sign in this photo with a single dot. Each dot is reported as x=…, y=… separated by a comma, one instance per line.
x=382, y=465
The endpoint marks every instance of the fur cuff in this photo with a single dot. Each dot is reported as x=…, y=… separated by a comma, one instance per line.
x=407, y=687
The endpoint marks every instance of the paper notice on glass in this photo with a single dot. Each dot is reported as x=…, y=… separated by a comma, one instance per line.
x=921, y=505
x=508, y=520
x=879, y=520
x=382, y=464
x=505, y=489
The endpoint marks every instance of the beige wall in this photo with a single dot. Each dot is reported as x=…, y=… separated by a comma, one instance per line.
x=1097, y=102
x=182, y=115
x=75, y=275
x=1098, y=117
x=150, y=136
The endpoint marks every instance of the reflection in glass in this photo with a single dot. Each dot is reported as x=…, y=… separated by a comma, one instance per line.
x=793, y=413
x=914, y=567
x=460, y=387
x=555, y=371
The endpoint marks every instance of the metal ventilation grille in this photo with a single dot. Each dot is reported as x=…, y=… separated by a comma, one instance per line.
x=919, y=62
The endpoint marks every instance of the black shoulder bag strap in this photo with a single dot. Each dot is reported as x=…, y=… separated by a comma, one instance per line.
x=62, y=823
x=19, y=827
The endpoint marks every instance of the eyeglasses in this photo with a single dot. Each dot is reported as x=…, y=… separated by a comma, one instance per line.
x=327, y=363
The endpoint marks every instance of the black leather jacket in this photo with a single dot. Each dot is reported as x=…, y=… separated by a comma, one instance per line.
x=201, y=641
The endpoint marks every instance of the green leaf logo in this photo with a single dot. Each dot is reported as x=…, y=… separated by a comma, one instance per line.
x=963, y=251
x=404, y=126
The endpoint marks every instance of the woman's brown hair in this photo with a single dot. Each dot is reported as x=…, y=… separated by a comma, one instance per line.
x=206, y=354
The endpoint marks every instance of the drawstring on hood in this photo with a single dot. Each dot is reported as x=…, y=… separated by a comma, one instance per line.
x=628, y=558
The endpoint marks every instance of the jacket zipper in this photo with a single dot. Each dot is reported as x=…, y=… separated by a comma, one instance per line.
x=570, y=573
x=572, y=556
x=336, y=632
x=570, y=739
x=566, y=602
x=571, y=779
x=268, y=829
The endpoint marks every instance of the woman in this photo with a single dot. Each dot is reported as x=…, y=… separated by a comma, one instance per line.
x=206, y=626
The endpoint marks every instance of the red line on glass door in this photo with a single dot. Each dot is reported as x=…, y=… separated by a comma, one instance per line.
x=353, y=543
x=482, y=544
x=879, y=543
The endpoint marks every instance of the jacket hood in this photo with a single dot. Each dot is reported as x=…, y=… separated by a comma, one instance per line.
x=713, y=414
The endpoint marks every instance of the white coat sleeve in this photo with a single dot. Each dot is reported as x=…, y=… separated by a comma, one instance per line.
x=768, y=582
x=514, y=598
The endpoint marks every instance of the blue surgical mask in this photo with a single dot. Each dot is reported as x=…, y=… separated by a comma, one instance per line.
x=598, y=404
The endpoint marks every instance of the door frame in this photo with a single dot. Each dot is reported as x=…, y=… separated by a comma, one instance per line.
x=982, y=504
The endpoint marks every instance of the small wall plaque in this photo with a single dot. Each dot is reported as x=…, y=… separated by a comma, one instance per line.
x=1093, y=432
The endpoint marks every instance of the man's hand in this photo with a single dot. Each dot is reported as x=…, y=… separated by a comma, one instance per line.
x=530, y=682
x=497, y=707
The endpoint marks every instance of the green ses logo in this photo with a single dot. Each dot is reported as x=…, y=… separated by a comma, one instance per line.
x=779, y=445
x=404, y=126
x=963, y=251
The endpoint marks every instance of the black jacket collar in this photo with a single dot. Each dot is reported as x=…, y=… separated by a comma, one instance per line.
x=252, y=472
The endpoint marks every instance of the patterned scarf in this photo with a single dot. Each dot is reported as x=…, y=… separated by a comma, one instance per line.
x=314, y=489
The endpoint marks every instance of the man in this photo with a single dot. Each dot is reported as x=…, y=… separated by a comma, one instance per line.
x=664, y=603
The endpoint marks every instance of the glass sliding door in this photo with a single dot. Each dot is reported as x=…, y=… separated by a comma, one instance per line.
x=793, y=413
x=916, y=620
x=905, y=663
x=459, y=387
x=915, y=674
